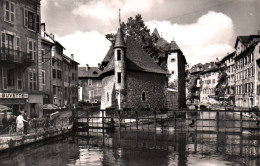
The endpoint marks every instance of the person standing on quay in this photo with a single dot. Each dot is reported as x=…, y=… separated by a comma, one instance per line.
x=25, y=124
x=19, y=122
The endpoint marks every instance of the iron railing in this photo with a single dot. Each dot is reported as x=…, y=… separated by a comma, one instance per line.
x=38, y=125
x=15, y=56
x=235, y=121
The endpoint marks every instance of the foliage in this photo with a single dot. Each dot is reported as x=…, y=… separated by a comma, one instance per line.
x=192, y=88
x=222, y=85
x=136, y=28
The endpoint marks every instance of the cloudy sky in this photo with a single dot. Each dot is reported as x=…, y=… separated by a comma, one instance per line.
x=203, y=29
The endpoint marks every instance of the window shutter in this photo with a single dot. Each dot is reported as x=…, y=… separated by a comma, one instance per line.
x=34, y=50
x=4, y=76
x=4, y=11
x=18, y=47
x=19, y=80
x=34, y=81
x=3, y=41
x=25, y=18
x=28, y=49
x=12, y=12
x=3, y=44
x=7, y=11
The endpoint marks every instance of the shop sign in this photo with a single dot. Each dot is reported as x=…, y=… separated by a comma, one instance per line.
x=14, y=95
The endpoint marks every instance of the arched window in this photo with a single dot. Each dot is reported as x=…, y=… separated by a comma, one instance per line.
x=107, y=96
x=143, y=96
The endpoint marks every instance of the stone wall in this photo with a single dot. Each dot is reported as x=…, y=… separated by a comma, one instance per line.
x=154, y=86
x=181, y=81
x=108, y=92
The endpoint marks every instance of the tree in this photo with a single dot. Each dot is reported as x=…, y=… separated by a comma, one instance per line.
x=222, y=84
x=136, y=28
x=192, y=88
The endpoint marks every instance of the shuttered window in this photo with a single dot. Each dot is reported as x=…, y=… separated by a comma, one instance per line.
x=9, y=11
x=19, y=80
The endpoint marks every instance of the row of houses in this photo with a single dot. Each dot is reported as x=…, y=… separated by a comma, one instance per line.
x=237, y=75
x=33, y=69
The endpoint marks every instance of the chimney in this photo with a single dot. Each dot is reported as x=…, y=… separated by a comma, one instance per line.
x=87, y=67
x=52, y=35
x=72, y=56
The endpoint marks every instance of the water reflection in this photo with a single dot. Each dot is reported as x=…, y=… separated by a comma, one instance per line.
x=142, y=148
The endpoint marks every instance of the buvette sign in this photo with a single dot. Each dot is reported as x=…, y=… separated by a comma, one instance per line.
x=14, y=95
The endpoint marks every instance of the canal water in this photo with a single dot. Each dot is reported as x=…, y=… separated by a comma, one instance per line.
x=139, y=148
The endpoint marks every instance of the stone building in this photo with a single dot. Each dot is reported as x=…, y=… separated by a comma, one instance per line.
x=59, y=72
x=90, y=84
x=174, y=62
x=209, y=80
x=20, y=56
x=130, y=78
x=247, y=70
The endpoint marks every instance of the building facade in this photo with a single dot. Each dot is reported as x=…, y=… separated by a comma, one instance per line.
x=247, y=68
x=130, y=78
x=228, y=64
x=20, y=56
x=174, y=63
x=209, y=80
x=59, y=72
x=90, y=84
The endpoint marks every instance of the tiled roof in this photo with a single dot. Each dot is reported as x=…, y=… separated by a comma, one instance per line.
x=69, y=59
x=243, y=39
x=109, y=55
x=173, y=46
x=136, y=59
x=92, y=72
x=227, y=56
x=119, y=41
x=246, y=39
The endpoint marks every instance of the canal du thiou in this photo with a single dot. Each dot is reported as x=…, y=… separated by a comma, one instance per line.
x=143, y=99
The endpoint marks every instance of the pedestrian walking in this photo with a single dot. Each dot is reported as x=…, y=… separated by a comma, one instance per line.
x=20, y=123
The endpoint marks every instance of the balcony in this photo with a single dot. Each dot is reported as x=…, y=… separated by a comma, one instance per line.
x=11, y=56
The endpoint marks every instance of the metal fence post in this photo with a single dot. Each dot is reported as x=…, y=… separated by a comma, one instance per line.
x=217, y=114
x=155, y=120
x=103, y=121
x=241, y=122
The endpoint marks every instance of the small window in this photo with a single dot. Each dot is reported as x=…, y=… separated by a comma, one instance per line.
x=172, y=72
x=107, y=96
x=89, y=82
x=119, y=77
x=173, y=59
x=119, y=55
x=43, y=77
x=43, y=56
x=143, y=96
x=54, y=73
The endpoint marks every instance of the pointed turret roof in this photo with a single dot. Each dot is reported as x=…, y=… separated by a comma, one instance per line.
x=156, y=33
x=119, y=41
x=136, y=59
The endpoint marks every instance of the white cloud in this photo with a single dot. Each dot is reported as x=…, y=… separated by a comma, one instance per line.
x=209, y=38
x=108, y=9
x=88, y=48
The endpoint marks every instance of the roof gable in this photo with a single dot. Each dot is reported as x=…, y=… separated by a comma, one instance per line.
x=92, y=72
x=136, y=59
